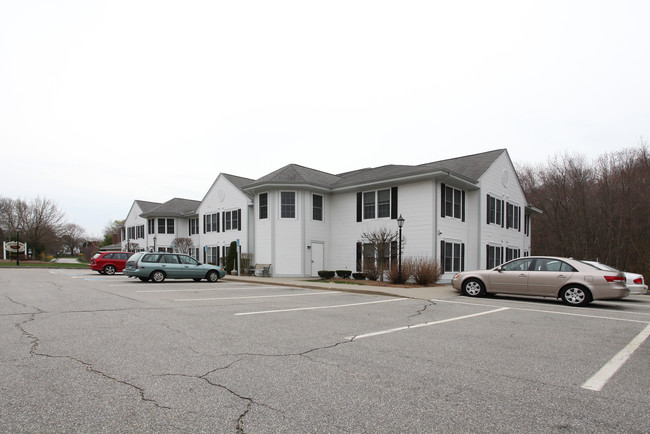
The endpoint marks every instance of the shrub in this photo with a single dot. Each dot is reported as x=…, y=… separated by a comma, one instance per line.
x=343, y=274
x=325, y=274
x=231, y=259
x=407, y=271
x=426, y=271
x=246, y=262
x=359, y=276
x=371, y=271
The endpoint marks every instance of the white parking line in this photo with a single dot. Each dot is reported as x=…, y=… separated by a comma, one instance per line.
x=320, y=307
x=424, y=324
x=551, y=311
x=600, y=378
x=256, y=296
x=151, y=291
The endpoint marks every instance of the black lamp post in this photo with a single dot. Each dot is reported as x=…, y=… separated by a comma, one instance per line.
x=154, y=243
x=400, y=223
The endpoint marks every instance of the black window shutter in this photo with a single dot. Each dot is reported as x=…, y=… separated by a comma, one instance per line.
x=503, y=214
x=218, y=216
x=487, y=256
x=239, y=219
x=359, y=253
x=393, y=203
x=442, y=255
x=488, y=209
x=442, y=200
x=463, y=207
x=204, y=219
x=223, y=221
x=359, y=206
x=519, y=222
x=462, y=257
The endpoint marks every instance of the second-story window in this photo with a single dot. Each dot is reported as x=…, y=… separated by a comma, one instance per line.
x=264, y=206
x=317, y=207
x=452, y=202
x=288, y=204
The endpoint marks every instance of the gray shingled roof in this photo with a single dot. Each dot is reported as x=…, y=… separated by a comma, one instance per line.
x=147, y=206
x=470, y=167
x=296, y=174
x=239, y=182
x=174, y=208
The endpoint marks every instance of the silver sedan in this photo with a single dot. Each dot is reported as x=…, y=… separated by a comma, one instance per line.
x=575, y=282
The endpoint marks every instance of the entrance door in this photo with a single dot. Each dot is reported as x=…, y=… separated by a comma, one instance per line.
x=317, y=258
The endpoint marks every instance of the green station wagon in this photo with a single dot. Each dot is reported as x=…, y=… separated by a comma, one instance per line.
x=158, y=266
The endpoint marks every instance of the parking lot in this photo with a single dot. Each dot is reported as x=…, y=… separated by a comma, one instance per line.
x=85, y=352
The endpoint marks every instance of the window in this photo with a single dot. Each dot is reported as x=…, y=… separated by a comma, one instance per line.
x=494, y=256
x=512, y=253
x=519, y=265
x=288, y=204
x=170, y=226
x=548, y=264
x=452, y=256
x=369, y=205
x=153, y=257
x=211, y=222
x=264, y=206
x=194, y=226
x=188, y=260
x=377, y=204
x=495, y=210
x=527, y=224
x=452, y=202
x=383, y=203
x=317, y=207
x=139, y=231
x=513, y=213
x=151, y=226
x=130, y=232
x=212, y=255
x=161, y=226
x=231, y=220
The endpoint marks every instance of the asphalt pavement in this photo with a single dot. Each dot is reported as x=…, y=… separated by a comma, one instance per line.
x=352, y=286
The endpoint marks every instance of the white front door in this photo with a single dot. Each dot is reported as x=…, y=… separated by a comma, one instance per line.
x=317, y=256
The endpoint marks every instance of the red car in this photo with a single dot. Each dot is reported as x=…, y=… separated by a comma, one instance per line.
x=109, y=262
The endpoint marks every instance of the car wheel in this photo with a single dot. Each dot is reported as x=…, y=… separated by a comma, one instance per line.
x=157, y=276
x=576, y=296
x=212, y=276
x=473, y=288
x=109, y=269
x=144, y=279
x=197, y=279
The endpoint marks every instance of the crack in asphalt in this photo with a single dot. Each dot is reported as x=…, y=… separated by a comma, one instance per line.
x=88, y=366
x=425, y=307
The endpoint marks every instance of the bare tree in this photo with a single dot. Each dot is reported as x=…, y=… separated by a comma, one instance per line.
x=39, y=222
x=72, y=237
x=593, y=211
x=379, y=249
x=183, y=245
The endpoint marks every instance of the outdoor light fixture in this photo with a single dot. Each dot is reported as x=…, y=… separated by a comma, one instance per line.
x=400, y=223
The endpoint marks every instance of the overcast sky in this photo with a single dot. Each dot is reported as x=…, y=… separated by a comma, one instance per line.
x=105, y=102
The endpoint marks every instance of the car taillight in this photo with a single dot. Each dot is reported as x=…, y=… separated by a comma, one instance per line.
x=638, y=280
x=615, y=279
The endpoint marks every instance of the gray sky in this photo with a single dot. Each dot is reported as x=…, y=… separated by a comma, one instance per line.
x=105, y=102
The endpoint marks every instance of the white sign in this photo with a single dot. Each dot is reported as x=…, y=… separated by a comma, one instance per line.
x=12, y=246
